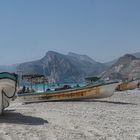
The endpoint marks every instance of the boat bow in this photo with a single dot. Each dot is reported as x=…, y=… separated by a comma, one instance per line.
x=8, y=84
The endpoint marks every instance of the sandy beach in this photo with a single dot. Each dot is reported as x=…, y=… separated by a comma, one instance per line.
x=113, y=118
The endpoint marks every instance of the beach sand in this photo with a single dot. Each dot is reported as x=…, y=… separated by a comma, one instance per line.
x=114, y=118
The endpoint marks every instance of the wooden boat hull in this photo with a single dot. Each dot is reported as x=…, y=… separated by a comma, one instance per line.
x=128, y=85
x=89, y=92
x=8, y=84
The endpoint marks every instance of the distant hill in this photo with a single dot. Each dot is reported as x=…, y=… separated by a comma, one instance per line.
x=137, y=54
x=127, y=66
x=110, y=63
x=82, y=57
x=86, y=64
x=63, y=68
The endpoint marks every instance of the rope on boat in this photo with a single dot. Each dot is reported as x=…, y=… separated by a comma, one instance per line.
x=7, y=95
x=3, y=94
x=1, y=103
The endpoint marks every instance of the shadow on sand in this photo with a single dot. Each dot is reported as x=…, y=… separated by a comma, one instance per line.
x=18, y=118
x=89, y=100
x=112, y=102
x=100, y=101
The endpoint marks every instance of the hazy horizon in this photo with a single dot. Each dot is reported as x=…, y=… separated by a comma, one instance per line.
x=103, y=30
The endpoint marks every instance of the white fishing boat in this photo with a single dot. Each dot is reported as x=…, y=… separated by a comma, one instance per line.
x=97, y=90
x=8, y=84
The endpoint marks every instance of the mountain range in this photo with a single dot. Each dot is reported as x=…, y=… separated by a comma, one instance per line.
x=63, y=68
x=60, y=68
x=110, y=63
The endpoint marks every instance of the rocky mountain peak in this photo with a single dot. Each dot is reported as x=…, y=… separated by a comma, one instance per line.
x=52, y=54
x=82, y=57
x=124, y=68
x=127, y=58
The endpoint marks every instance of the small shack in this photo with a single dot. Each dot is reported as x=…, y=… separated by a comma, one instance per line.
x=35, y=79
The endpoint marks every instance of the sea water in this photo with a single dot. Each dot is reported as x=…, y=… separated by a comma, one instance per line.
x=42, y=87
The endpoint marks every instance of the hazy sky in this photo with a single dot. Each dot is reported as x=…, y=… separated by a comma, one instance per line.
x=102, y=29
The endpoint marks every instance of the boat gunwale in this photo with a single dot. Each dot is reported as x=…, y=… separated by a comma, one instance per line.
x=7, y=75
x=67, y=90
